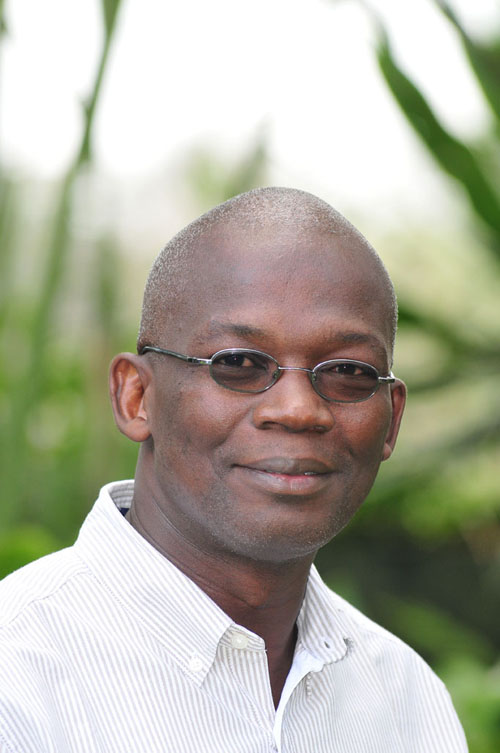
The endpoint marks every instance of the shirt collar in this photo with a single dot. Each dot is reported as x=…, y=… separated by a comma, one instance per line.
x=164, y=600
x=322, y=629
x=171, y=606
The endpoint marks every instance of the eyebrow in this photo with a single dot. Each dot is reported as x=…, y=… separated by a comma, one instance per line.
x=353, y=338
x=243, y=330
x=248, y=330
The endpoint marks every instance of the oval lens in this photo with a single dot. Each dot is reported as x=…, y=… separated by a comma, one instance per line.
x=243, y=370
x=346, y=381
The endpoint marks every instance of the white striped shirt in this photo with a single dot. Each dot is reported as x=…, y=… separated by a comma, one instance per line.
x=106, y=646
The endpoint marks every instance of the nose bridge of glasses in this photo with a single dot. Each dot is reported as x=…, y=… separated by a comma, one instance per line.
x=294, y=368
x=310, y=373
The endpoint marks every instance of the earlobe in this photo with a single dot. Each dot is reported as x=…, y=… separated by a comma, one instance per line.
x=398, y=400
x=129, y=378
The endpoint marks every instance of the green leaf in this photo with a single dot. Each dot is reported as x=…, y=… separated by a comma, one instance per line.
x=484, y=59
x=213, y=180
x=3, y=25
x=433, y=632
x=250, y=172
x=450, y=153
x=109, y=10
x=408, y=315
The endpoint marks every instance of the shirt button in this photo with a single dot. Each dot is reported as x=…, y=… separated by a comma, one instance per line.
x=239, y=640
x=195, y=664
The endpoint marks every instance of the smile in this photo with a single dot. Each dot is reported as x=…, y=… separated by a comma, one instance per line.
x=303, y=476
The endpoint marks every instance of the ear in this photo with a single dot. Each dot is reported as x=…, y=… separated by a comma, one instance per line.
x=398, y=400
x=129, y=378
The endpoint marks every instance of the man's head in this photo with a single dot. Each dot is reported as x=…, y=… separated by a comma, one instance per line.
x=270, y=476
x=274, y=212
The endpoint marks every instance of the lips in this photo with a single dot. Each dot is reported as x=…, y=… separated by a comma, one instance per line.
x=289, y=466
x=286, y=477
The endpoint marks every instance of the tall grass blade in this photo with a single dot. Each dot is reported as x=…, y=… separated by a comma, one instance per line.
x=26, y=398
x=451, y=154
x=3, y=25
x=7, y=242
x=110, y=11
x=251, y=170
x=484, y=59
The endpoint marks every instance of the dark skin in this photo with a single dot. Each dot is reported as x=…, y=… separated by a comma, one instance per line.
x=220, y=488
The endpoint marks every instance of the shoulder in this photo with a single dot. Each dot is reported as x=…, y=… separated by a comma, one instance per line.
x=362, y=625
x=419, y=699
x=34, y=602
x=37, y=582
x=383, y=649
x=357, y=624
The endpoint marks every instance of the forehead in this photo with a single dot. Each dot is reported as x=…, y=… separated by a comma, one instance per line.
x=283, y=279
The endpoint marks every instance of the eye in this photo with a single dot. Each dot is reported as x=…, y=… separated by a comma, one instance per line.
x=237, y=360
x=234, y=359
x=346, y=381
x=242, y=370
x=242, y=360
x=348, y=369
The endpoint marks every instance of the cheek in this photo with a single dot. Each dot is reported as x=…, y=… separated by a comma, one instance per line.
x=360, y=435
x=365, y=430
x=190, y=424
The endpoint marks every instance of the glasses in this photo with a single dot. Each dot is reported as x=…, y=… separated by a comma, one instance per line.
x=340, y=380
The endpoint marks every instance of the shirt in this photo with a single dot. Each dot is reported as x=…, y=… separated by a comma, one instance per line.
x=106, y=646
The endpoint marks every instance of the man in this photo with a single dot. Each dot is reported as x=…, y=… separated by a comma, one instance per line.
x=188, y=615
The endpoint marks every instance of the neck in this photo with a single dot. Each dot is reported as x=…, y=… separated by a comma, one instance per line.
x=255, y=594
x=265, y=597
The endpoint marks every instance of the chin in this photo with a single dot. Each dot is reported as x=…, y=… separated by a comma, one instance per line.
x=279, y=546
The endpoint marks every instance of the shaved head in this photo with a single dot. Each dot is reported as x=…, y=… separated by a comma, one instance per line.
x=250, y=219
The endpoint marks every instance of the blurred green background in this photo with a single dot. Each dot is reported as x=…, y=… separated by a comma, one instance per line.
x=423, y=555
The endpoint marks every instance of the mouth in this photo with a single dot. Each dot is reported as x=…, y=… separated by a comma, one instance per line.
x=295, y=476
x=289, y=466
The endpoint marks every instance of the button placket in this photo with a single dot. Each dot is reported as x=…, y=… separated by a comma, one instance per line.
x=247, y=661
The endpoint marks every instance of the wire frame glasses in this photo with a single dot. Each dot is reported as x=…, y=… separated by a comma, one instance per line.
x=340, y=380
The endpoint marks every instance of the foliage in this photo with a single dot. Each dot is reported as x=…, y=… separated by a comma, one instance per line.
x=423, y=555
x=463, y=353
x=34, y=380
x=212, y=180
x=435, y=512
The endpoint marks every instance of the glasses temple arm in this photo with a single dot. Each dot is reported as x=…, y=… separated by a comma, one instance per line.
x=388, y=379
x=163, y=351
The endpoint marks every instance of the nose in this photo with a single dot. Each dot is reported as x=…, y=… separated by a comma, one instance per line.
x=293, y=404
